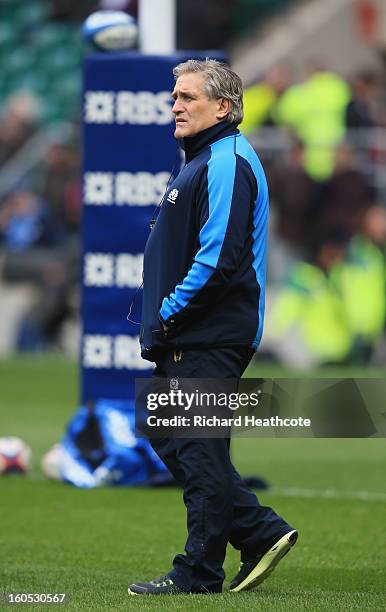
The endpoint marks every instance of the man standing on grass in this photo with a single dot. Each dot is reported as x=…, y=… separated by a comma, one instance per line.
x=203, y=310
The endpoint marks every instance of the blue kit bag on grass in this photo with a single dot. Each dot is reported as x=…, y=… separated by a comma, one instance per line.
x=100, y=448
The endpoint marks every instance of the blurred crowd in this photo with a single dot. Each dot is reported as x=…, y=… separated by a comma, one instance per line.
x=328, y=197
x=322, y=141
x=40, y=225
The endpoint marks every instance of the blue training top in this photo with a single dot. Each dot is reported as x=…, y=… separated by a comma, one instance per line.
x=205, y=259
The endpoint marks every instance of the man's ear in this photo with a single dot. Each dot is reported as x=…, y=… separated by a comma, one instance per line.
x=224, y=107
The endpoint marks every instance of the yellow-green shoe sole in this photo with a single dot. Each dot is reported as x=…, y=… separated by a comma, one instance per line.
x=267, y=563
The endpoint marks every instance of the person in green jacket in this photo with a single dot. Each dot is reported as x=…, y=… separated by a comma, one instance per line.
x=315, y=111
x=260, y=99
x=311, y=304
x=361, y=282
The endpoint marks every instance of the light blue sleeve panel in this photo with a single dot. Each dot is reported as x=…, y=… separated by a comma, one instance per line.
x=260, y=225
x=221, y=177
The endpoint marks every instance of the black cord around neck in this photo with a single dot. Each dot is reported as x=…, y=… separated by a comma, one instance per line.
x=152, y=224
x=158, y=207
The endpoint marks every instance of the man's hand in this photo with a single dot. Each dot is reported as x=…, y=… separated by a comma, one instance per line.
x=166, y=328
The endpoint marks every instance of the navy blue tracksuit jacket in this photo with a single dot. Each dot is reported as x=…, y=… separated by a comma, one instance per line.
x=205, y=259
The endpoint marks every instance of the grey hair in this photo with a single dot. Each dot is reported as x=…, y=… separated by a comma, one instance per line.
x=220, y=82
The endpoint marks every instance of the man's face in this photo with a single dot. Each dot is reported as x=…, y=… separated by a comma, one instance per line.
x=193, y=110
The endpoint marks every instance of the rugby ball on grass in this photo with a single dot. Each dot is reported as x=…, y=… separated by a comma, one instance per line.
x=111, y=30
x=15, y=456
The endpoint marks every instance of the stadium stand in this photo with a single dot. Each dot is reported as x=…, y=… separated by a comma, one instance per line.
x=41, y=56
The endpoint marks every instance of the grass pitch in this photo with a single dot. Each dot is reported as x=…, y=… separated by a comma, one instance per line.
x=91, y=544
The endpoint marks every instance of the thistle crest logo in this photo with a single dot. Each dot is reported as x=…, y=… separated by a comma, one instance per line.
x=173, y=196
x=174, y=383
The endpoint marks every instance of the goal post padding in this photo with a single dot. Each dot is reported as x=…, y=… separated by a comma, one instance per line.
x=128, y=155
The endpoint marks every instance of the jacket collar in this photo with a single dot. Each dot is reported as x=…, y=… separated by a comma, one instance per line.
x=193, y=145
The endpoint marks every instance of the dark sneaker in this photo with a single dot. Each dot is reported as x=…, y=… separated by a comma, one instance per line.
x=253, y=572
x=160, y=586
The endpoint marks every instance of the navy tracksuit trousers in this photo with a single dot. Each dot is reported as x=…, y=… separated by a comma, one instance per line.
x=220, y=507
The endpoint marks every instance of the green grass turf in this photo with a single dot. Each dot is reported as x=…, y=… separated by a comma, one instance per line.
x=91, y=544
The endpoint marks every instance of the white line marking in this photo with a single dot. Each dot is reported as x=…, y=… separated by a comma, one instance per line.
x=328, y=494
